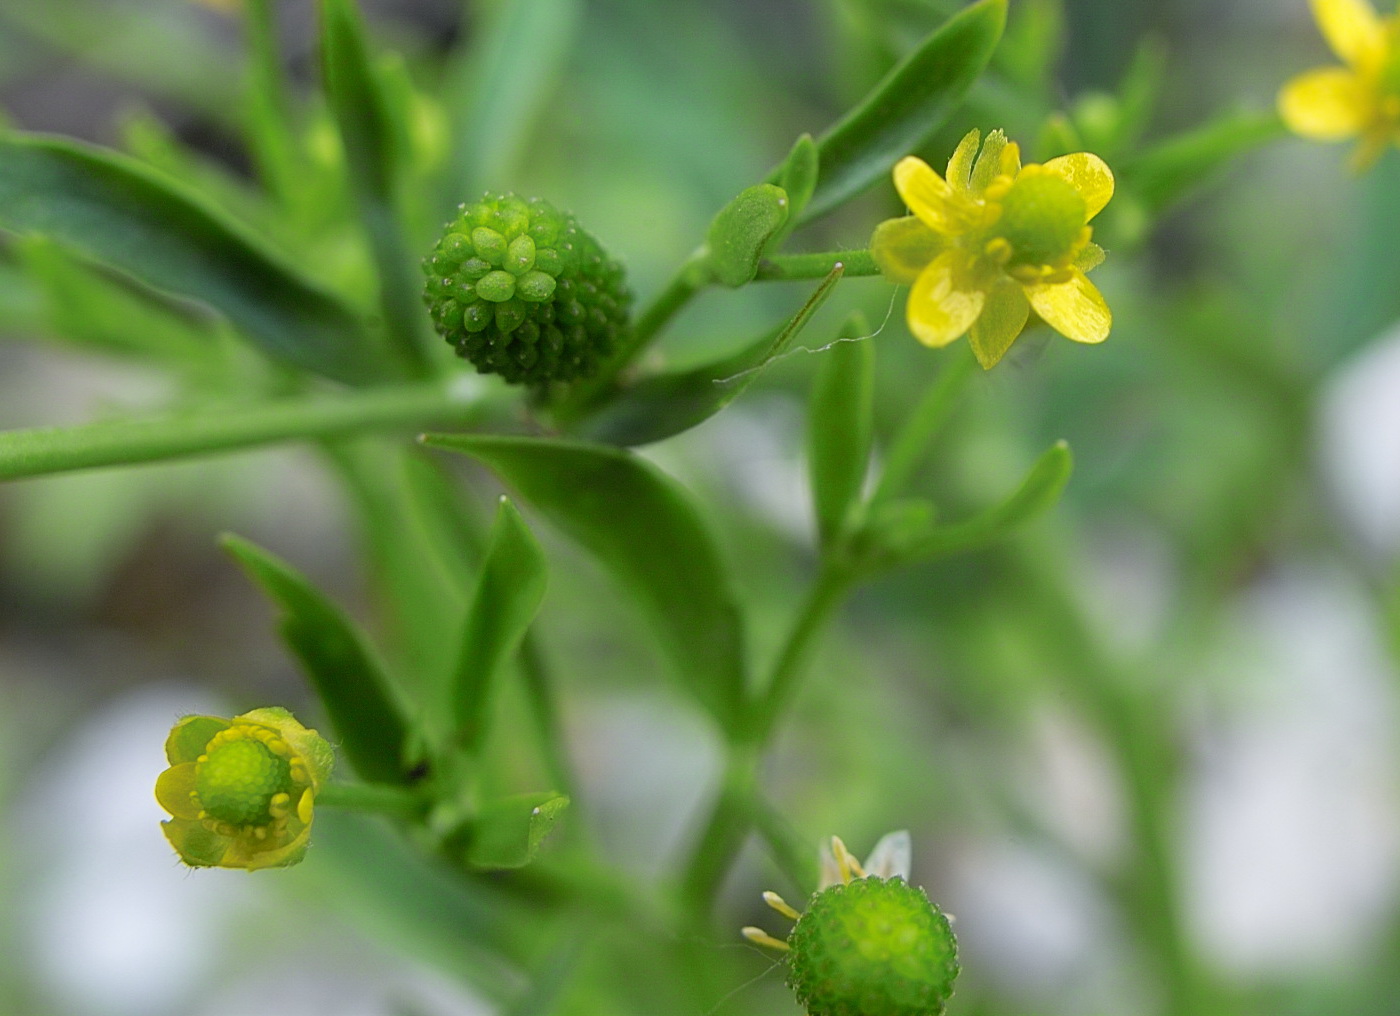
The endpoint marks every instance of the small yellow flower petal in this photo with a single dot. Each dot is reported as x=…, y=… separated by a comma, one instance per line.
x=944, y=301
x=1353, y=30
x=1089, y=175
x=1327, y=104
x=904, y=247
x=960, y=165
x=1001, y=321
x=188, y=737
x=926, y=193
x=197, y=845
x=1076, y=309
x=988, y=165
x=1011, y=159
x=282, y=857
x=175, y=791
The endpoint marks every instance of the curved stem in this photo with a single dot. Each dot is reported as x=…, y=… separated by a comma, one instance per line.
x=911, y=443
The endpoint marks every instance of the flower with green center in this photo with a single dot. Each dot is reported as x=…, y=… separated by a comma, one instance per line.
x=1358, y=100
x=241, y=791
x=869, y=943
x=994, y=241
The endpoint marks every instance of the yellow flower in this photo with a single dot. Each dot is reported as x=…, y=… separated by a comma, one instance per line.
x=1361, y=99
x=241, y=791
x=993, y=242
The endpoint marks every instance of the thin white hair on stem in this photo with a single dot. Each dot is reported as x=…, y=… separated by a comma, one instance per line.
x=746, y=985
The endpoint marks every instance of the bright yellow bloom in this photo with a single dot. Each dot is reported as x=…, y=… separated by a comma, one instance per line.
x=241, y=791
x=993, y=242
x=1361, y=99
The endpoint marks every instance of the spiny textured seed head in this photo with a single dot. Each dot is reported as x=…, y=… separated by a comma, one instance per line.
x=872, y=947
x=521, y=290
x=237, y=781
x=1041, y=218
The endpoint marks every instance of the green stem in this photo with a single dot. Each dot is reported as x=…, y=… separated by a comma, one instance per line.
x=724, y=832
x=912, y=442
x=224, y=428
x=780, y=267
x=826, y=593
x=378, y=798
x=689, y=279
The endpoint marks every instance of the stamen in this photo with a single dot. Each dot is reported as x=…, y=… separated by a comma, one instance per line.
x=760, y=937
x=780, y=905
x=847, y=863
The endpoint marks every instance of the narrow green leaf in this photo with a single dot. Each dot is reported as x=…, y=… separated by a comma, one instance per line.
x=799, y=174
x=509, y=831
x=111, y=209
x=500, y=91
x=645, y=529
x=1038, y=493
x=905, y=109
x=840, y=427
x=663, y=405
x=1168, y=171
x=352, y=686
x=741, y=231
x=508, y=594
x=370, y=140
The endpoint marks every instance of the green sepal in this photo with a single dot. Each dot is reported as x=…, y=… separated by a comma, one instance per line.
x=509, y=831
x=663, y=405
x=645, y=528
x=740, y=233
x=906, y=108
x=508, y=594
x=112, y=209
x=336, y=658
x=905, y=532
x=840, y=427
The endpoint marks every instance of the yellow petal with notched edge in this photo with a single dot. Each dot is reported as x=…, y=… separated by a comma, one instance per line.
x=1002, y=319
x=1353, y=29
x=1087, y=174
x=174, y=790
x=943, y=303
x=904, y=247
x=960, y=165
x=1327, y=105
x=1076, y=309
x=926, y=193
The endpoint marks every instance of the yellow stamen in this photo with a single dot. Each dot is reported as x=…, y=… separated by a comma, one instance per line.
x=780, y=905
x=845, y=861
x=760, y=937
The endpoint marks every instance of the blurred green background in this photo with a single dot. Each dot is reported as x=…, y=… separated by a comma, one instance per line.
x=1223, y=559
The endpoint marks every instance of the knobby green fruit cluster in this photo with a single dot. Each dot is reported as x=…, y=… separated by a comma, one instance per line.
x=872, y=947
x=521, y=290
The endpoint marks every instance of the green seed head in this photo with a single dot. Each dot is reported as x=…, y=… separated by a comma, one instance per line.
x=519, y=289
x=1041, y=218
x=237, y=781
x=872, y=947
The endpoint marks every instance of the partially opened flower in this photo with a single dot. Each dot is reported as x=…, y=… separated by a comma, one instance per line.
x=241, y=792
x=994, y=241
x=868, y=943
x=1358, y=100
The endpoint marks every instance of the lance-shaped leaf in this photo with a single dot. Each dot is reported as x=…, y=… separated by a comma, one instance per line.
x=645, y=529
x=664, y=405
x=904, y=110
x=1037, y=493
x=111, y=209
x=369, y=138
x=840, y=427
x=741, y=231
x=338, y=661
x=507, y=596
x=1168, y=171
x=509, y=831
